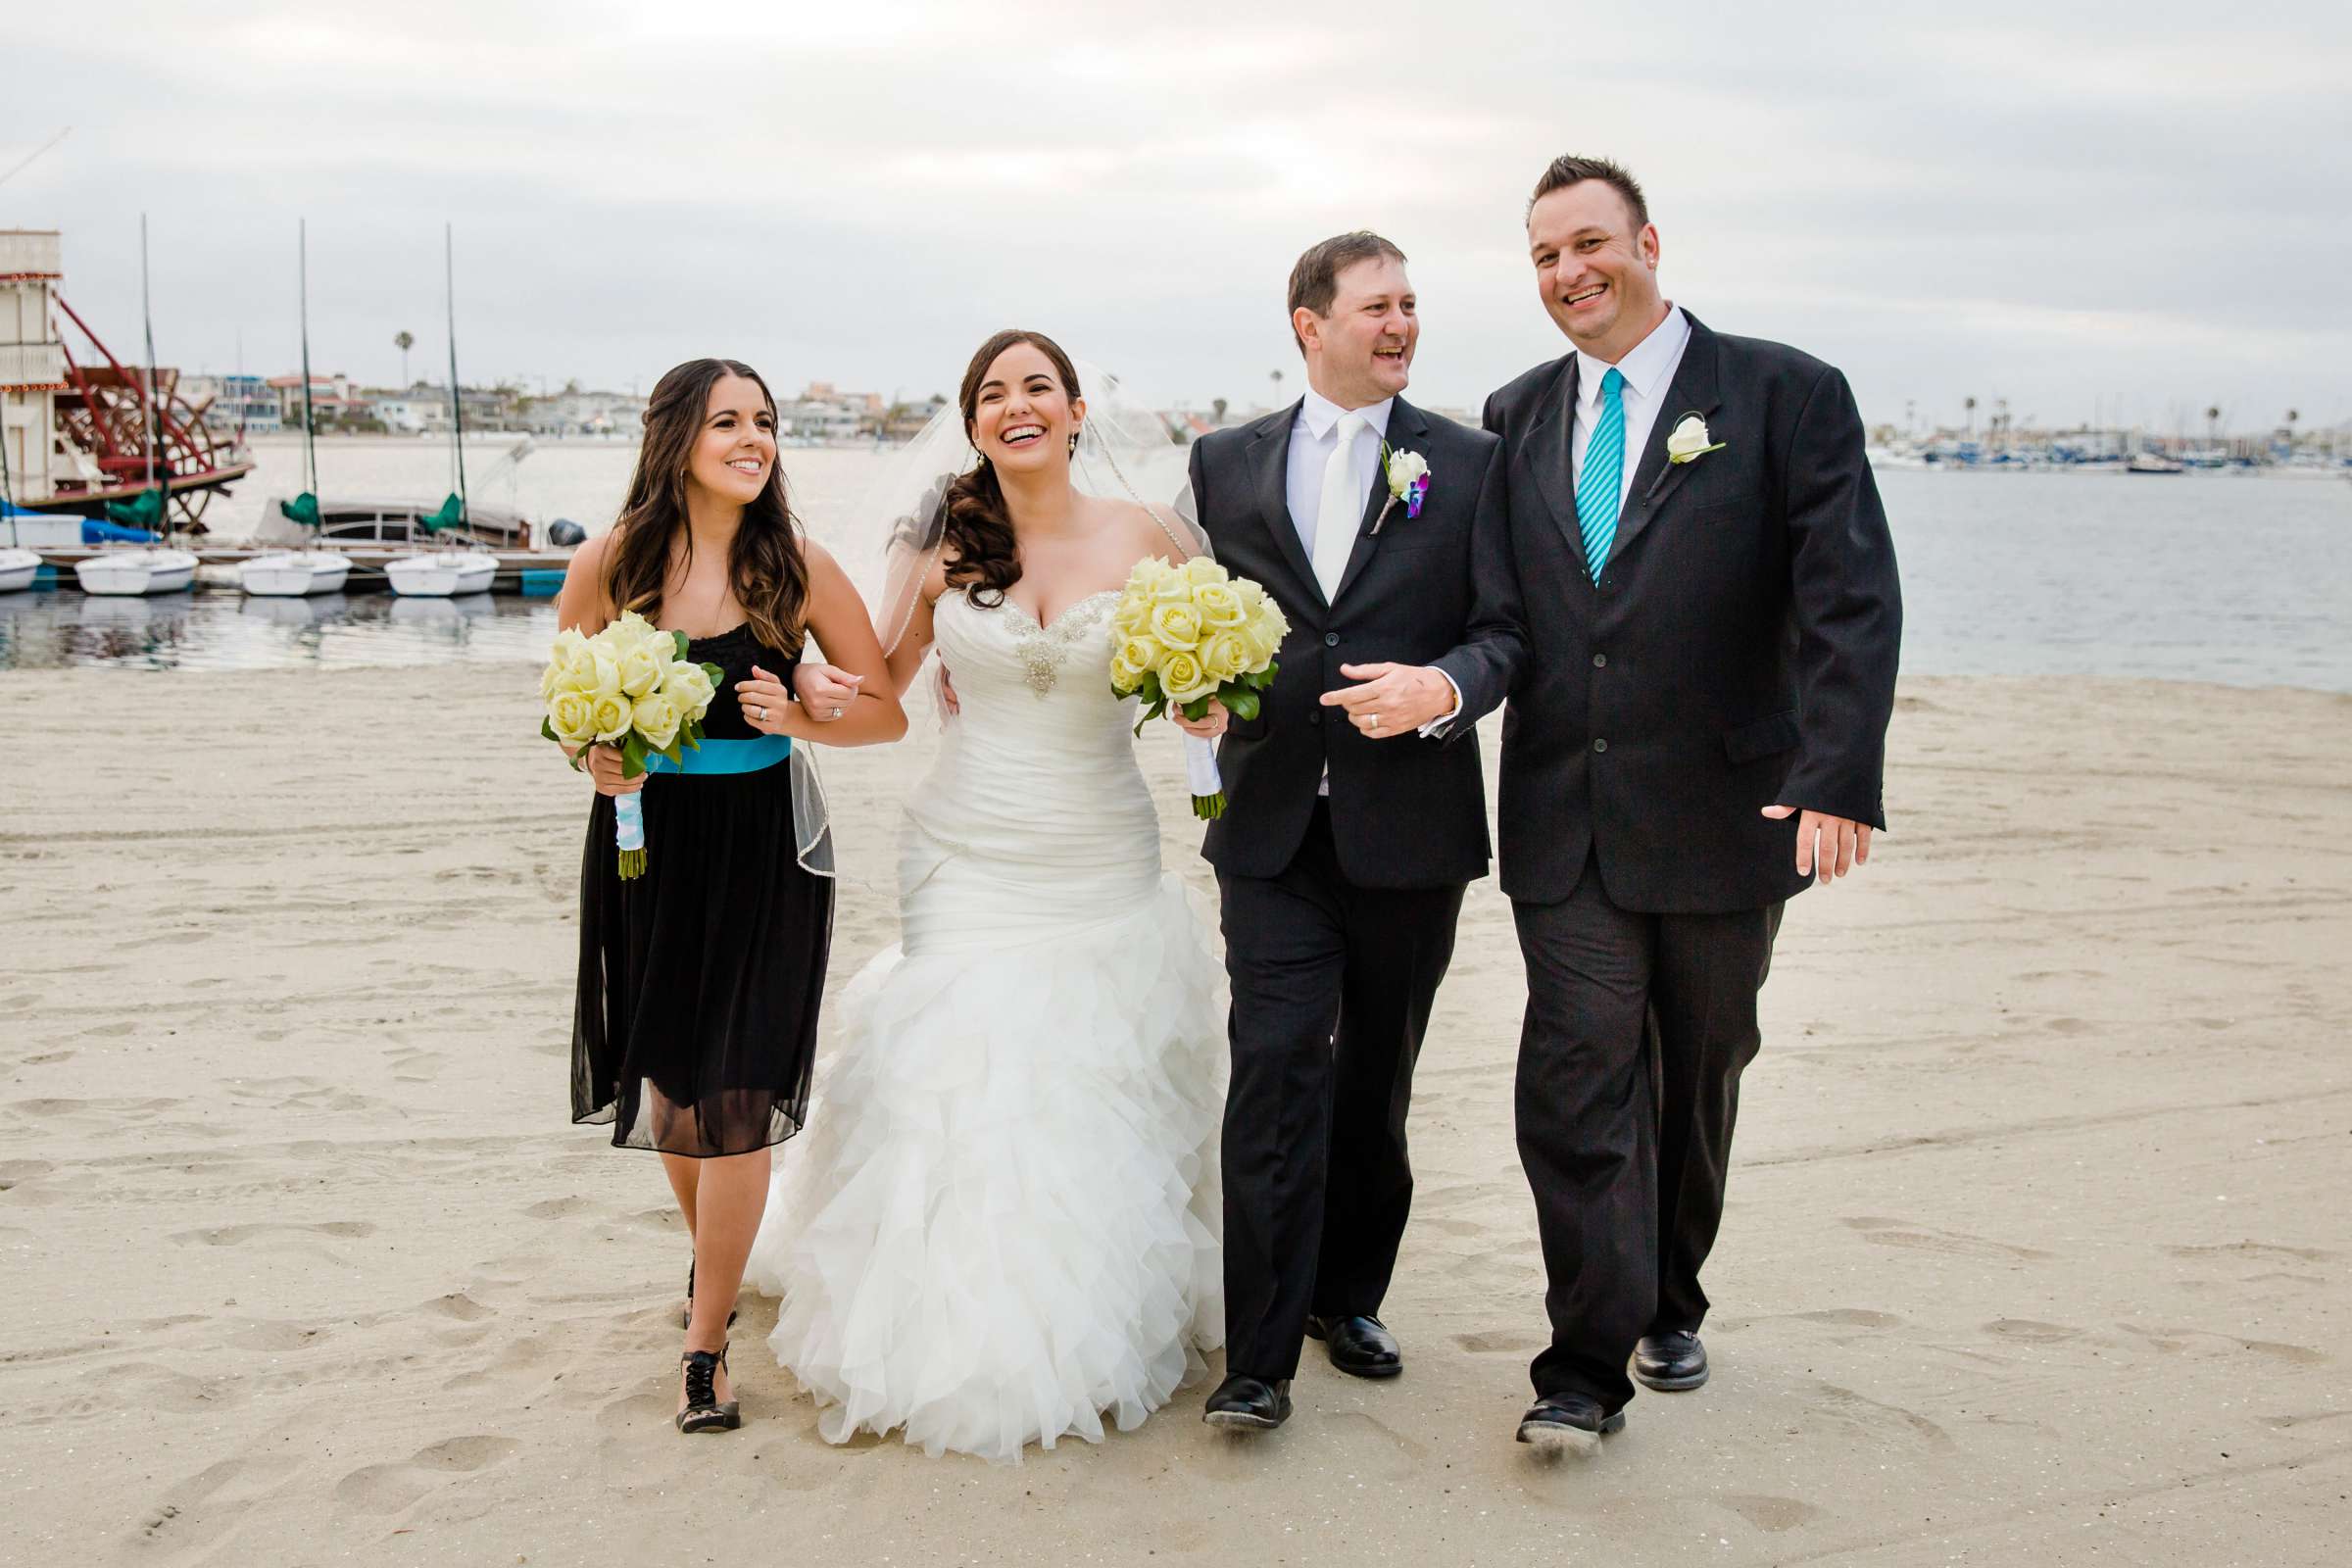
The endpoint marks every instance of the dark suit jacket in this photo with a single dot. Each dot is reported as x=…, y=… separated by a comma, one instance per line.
x=1407, y=812
x=1739, y=649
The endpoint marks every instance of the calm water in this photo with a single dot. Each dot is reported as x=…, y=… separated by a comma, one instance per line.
x=2223, y=577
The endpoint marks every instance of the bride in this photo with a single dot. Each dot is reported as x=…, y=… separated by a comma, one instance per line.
x=1005, y=1228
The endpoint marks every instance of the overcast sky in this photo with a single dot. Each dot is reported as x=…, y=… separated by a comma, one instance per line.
x=2120, y=210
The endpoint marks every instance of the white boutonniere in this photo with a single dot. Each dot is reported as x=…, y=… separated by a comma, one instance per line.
x=1409, y=482
x=1690, y=441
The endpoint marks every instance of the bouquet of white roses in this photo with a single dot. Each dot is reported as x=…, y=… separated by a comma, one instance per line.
x=1187, y=634
x=631, y=687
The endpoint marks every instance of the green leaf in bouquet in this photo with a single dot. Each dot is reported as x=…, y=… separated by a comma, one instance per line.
x=682, y=641
x=672, y=749
x=1198, y=708
x=1241, y=701
x=632, y=755
x=547, y=731
x=1149, y=690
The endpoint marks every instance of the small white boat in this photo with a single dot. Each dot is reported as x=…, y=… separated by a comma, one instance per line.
x=441, y=573
x=129, y=572
x=18, y=568
x=294, y=574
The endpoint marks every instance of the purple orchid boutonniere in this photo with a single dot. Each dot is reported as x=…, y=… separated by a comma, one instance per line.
x=1409, y=482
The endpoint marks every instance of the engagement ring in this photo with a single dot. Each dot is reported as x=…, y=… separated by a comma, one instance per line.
x=836, y=714
x=758, y=715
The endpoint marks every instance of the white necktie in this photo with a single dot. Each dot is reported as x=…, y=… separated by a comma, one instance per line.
x=1339, y=512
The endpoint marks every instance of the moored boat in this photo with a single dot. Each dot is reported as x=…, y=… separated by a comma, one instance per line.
x=294, y=574
x=18, y=568
x=441, y=573
x=127, y=573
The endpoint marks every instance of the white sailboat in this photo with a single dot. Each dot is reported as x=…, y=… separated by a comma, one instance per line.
x=298, y=573
x=18, y=568
x=445, y=573
x=441, y=573
x=138, y=569
x=294, y=574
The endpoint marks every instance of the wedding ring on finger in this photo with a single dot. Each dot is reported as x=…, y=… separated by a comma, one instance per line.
x=758, y=715
x=836, y=714
x=1375, y=721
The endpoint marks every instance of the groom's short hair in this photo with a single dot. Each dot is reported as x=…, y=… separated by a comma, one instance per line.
x=1566, y=171
x=1315, y=280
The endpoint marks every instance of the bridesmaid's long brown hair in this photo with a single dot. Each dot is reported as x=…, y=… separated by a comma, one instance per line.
x=766, y=567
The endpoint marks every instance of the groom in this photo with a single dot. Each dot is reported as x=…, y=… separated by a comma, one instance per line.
x=1713, y=615
x=1356, y=812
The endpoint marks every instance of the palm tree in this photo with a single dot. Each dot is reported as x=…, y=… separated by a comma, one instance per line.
x=1278, y=389
x=1970, y=403
x=403, y=341
x=1217, y=411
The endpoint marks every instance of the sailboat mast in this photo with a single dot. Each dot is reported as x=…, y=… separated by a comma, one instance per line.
x=457, y=399
x=155, y=416
x=310, y=424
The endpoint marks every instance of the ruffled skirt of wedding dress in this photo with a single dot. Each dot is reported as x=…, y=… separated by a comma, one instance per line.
x=1002, y=1226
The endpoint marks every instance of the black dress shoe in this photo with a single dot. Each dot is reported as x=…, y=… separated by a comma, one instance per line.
x=1361, y=1346
x=1250, y=1403
x=1564, y=1421
x=1670, y=1362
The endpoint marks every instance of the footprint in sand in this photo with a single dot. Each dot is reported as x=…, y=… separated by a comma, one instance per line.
x=2029, y=1330
x=2256, y=1249
x=1909, y=1233
x=238, y=1235
x=1514, y=1342
x=1875, y=1419
x=1770, y=1514
x=211, y=1501
x=391, y=1488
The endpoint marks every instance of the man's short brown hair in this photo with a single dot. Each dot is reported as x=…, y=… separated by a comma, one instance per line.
x=1565, y=171
x=1315, y=279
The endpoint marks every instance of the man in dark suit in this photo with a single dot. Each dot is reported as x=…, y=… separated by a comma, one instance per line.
x=1356, y=813
x=1709, y=595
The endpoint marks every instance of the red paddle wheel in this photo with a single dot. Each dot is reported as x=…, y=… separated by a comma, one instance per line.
x=104, y=413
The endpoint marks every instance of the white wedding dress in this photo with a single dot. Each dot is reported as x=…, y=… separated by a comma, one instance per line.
x=1002, y=1224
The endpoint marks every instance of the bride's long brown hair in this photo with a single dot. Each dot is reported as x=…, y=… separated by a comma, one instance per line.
x=983, y=552
x=765, y=569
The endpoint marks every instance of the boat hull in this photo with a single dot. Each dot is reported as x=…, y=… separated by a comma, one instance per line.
x=295, y=575
x=442, y=574
x=18, y=568
x=135, y=573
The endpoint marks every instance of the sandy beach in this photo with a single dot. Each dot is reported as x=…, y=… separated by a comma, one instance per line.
x=2036, y=1250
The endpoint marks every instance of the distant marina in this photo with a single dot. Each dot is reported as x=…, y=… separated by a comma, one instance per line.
x=193, y=509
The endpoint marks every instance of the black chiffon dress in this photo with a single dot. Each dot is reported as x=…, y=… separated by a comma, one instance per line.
x=700, y=981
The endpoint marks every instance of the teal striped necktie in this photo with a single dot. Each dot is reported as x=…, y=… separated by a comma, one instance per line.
x=1596, y=486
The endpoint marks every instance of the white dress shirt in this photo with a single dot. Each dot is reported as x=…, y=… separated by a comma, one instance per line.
x=1315, y=434
x=1648, y=370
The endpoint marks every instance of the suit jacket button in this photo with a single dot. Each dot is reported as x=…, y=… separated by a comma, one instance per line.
x=1315, y=717
x=1331, y=639
x=1600, y=661
x=1600, y=744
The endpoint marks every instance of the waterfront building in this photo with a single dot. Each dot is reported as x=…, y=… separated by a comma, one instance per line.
x=32, y=362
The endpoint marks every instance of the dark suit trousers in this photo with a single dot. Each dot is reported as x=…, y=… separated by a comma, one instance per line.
x=1638, y=1028
x=1332, y=987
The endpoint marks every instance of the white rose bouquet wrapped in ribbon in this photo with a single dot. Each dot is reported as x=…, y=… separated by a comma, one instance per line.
x=1186, y=635
x=630, y=687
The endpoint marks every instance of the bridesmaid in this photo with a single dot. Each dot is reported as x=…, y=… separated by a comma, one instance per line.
x=700, y=981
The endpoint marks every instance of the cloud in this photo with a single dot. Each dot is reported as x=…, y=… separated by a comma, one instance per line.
x=2067, y=210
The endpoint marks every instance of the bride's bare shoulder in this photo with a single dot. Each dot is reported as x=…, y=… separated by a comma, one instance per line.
x=1150, y=531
